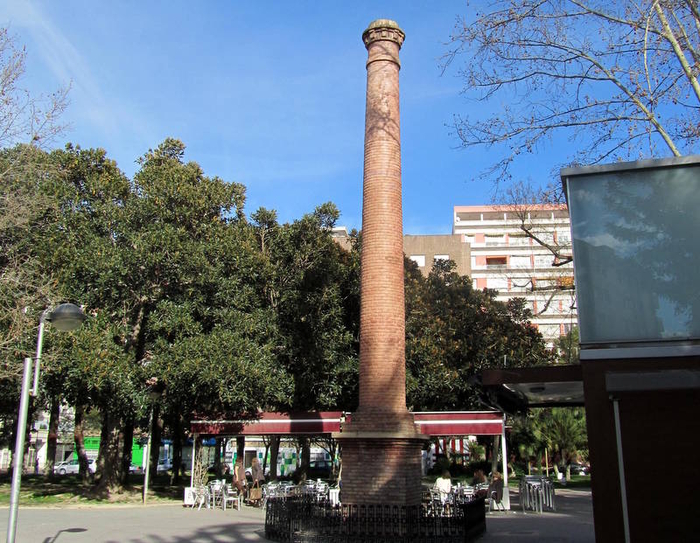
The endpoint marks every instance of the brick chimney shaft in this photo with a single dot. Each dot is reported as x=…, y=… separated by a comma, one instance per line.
x=381, y=447
x=382, y=318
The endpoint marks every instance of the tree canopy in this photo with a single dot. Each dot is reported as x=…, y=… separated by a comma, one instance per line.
x=453, y=332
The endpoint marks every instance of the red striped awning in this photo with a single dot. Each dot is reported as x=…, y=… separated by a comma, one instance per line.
x=322, y=422
x=460, y=423
x=449, y=423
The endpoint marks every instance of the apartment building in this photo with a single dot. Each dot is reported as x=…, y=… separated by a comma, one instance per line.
x=424, y=250
x=505, y=258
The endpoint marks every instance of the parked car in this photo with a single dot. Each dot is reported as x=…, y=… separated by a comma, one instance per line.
x=579, y=469
x=319, y=469
x=133, y=468
x=164, y=465
x=68, y=467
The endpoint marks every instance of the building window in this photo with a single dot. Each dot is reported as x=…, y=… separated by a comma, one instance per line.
x=543, y=261
x=495, y=240
x=519, y=241
x=518, y=286
x=497, y=283
x=496, y=261
x=546, y=282
x=549, y=330
x=520, y=262
x=564, y=237
x=441, y=257
x=418, y=259
x=553, y=308
x=546, y=237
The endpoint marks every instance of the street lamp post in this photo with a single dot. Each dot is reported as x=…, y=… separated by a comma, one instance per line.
x=65, y=317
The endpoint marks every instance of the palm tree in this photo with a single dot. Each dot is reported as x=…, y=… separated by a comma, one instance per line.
x=564, y=429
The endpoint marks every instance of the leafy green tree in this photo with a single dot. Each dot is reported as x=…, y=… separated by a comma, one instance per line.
x=28, y=122
x=167, y=265
x=312, y=286
x=309, y=283
x=454, y=331
x=568, y=347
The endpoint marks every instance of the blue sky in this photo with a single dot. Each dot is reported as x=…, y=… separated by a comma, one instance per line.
x=268, y=94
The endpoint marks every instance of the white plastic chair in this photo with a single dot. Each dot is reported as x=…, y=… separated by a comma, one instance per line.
x=216, y=492
x=200, y=497
x=231, y=495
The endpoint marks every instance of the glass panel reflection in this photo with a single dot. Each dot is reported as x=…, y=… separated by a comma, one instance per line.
x=636, y=253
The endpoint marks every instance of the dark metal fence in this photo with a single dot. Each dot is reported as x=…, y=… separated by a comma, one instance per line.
x=297, y=519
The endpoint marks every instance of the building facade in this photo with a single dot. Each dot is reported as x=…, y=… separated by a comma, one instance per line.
x=425, y=250
x=521, y=251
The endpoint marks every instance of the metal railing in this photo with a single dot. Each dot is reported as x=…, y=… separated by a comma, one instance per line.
x=297, y=519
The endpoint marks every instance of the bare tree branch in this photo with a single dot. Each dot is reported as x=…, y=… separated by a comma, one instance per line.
x=620, y=77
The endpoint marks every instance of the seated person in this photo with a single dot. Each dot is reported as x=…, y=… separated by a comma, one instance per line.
x=443, y=484
x=479, y=477
x=496, y=486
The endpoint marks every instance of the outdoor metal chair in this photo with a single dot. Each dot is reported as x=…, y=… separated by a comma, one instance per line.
x=232, y=496
x=200, y=497
x=216, y=493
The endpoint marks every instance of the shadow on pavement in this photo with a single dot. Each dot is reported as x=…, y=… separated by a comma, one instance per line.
x=223, y=533
x=66, y=531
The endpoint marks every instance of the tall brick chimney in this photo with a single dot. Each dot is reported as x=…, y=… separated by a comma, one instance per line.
x=381, y=449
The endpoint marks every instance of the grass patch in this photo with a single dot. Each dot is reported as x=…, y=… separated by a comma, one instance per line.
x=68, y=490
x=577, y=481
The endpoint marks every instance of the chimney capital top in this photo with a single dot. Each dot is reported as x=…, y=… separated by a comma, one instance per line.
x=383, y=29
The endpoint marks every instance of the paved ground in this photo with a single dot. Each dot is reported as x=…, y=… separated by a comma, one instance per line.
x=150, y=524
x=572, y=523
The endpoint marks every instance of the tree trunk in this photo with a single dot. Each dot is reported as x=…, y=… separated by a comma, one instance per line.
x=333, y=452
x=266, y=441
x=240, y=448
x=178, y=468
x=52, y=437
x=127, y=450
x=274, y=452
x=303, y=470
x=109, y=457
x=156, y=433
x=494, y=453
x=79, y=437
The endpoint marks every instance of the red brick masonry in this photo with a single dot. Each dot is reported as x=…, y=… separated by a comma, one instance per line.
x=381, y=448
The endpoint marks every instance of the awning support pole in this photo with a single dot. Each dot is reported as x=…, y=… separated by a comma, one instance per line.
x=194, y=455
x=504, y=452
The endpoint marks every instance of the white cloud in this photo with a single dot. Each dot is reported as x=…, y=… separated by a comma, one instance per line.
x=69, y=66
